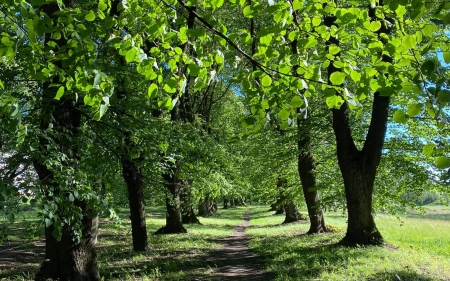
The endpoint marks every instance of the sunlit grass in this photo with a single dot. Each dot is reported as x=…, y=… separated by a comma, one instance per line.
x=417, y=249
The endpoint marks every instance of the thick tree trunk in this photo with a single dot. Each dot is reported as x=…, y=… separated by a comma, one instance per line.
x=292, y=214
x=133, y=179
x=361, y=228
x=232, y=205
x=280, y=210
x=69, y=259
x=225, y=203
x=214, y=207
x=359, y=168
x=189, y=216
x=306, y=167
x=187, y=210
x=173, y=213
x=203, y=208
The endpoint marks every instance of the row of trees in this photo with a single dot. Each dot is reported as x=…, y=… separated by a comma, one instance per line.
x=192, y=102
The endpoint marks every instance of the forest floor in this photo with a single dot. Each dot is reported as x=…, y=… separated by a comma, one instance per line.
x=250, y=243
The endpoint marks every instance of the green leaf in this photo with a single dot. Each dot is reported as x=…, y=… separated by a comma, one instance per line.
x=283, y=114
x=171, y=86
x=428, y=67
x=400, y=116
x=375, y=26
x=48, y=222
x=248, y=12
x=443, y=96
x=334, y=101
x=5, y=41
x=71, y=198
x=446, y=56
x=130, y=55
x=446, y=19
x=414, y=109
x=152, y=90
x=249, y=121
x=428, y=149
x=266, y=81
x=356, y=76
x=90, y=16
x=442, y=162
x=59, y=93
x=337, y=78
x=297, y=102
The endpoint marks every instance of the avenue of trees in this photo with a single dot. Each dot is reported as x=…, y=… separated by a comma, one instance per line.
x=199, y=105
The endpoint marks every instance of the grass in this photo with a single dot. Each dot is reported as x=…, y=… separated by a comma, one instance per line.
x=418, y=248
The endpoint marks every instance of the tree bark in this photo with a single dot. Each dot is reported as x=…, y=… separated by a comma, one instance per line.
x=203, y=208
x=187, y=210
x=232, y=205
x=306, y=167
x=69, y=258
x=133, y=179
x=359, y=167
x=225, y=203
x=173, y=213
x=292, y=214
x=188, y=216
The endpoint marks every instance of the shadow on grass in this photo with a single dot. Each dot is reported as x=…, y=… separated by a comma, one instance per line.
x=428, y=216
x=401, y=275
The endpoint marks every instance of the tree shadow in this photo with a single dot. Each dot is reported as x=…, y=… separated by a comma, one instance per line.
x=402, y=275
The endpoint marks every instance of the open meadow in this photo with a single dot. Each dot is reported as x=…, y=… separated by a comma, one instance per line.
x=417, y=248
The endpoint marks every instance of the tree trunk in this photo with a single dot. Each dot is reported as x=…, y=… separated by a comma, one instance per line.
x=94, y=229
x=359, y=168
x=187, y=210
x=189, y=216
x=280, y=210
x=306, y=167
x=214, y=207
x=361, y=228
x=173, y=213
x=203, y=208
x=232, y=205
x=133, y=179
x=225, y=203
x=292, y=214
x=69, y=259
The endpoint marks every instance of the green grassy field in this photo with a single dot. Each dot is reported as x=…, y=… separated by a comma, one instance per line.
x=417, y=248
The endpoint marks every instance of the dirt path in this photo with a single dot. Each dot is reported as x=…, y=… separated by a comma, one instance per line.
x=235, y=261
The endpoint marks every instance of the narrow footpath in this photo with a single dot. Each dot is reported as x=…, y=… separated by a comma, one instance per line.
x=235, y=261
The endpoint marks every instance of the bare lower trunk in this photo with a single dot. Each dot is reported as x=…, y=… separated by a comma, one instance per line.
x=189, y=216
x=361, y=228
x=133, y=179
x=173, y=212
x=69, y=259
x=306, y=167
x=94, y=229
x=232, y=205
x=292, y=214
x=203, y=208
x=280, y=210
x=187, y=210
x=225, y=203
